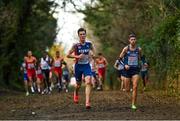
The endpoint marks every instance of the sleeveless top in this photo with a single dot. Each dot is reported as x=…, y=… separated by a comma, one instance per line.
x=83, y=49
x=131, y=58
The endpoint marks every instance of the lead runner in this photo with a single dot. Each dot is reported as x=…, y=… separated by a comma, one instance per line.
x=80, y=51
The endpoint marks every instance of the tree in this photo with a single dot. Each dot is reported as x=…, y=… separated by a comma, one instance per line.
x=25, y=25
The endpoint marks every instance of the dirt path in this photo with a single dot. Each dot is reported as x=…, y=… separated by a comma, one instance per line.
x=105, y=105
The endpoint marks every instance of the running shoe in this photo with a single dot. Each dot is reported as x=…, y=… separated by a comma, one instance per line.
x=59, y=89
x=99, y=88
x=50, y=88
x=27, y=93
x=76, y=98
x=88, y=106
x=133, y=107
x=52, y=85
x=42, y=92
x=32, y=90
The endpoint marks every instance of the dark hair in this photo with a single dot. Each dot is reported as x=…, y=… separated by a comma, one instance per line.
x=132, y=35
x=99, y=54
x=81, y=29
x=143, y=56
x=57, y=51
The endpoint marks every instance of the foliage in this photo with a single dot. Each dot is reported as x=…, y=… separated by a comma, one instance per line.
x=156, y=24
x=25, y=25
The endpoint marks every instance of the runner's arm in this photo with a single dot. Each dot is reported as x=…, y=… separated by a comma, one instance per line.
x=141, y=58
x=63, y=61
x=71, y=51
x=122, y=55
x=96, y=62
x=115, y=64
x=123, y=52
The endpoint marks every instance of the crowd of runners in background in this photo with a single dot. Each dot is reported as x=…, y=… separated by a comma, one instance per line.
x=43, y=74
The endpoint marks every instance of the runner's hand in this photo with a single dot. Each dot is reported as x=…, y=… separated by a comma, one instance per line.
x=146, y=65
x=126, y=67
x=80, y=56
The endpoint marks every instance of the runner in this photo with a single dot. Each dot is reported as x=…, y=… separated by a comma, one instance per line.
x=101, y=63
x=57, y=65
x=80, y=51
x=93, y=69
x=39, y=76
x=65, y=77
x=25, y=77
x=144, y=73
x=119, y=66
x=31, y=73
x=45, y=66
x=132, y=55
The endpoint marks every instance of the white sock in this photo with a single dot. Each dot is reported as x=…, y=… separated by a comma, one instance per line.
x=32, y=89
x=39, y=90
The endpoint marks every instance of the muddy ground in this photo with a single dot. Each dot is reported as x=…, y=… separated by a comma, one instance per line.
x=105, y=105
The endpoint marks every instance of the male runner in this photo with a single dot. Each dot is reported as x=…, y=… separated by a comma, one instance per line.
x=31, y=72
x=119, y=66
x=80, y=51
x=25, y=77
x=57, y=66
x=101, y=64
x=132, y=56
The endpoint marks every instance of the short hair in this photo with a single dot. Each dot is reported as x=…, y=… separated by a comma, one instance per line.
x=57, y=51
x=99, y=54
x=132, y=35
x=81, y=29
x=29, y=51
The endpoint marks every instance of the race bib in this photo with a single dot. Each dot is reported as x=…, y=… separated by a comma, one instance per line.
x=57, y=64
x=101, y=65
x=133, y=61
x=44, y=65
x=84, y=60
x=30, y=65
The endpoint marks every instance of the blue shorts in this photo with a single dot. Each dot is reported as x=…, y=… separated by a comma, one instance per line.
x=143, y=74
x=131, y=72
x=94, y=74
x=25, y=77
x=66, y=77
x=80, y=69
x=121, y=73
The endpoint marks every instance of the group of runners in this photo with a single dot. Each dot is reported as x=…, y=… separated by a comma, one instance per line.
x=87, y=67
x=38, y=73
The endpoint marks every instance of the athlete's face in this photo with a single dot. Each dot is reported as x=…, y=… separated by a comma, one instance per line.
x=45, y=54
x=82, y=36
x=24, y=59
x=100, y=56
x=132, y=40
x=57, y=54
x=29, y=53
